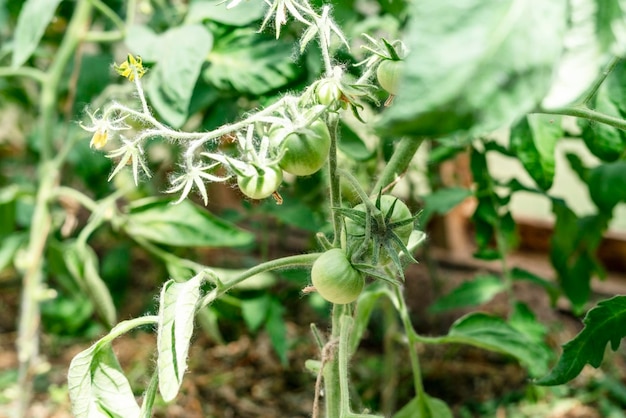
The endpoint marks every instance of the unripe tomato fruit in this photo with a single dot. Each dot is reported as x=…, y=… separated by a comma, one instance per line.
x=306, y=152
x=327, y=92
x=388, y=74
x=260, y=185
x=335, y=279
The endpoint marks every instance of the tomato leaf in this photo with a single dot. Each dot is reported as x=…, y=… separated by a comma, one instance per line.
x=31, y=25
x=470, y=293
x=217, y=11
x=177, y=309
x=255, y=311
x=493, y=333
x=184, y=224
x=495, y=62
x=533, y=140
x=435, y=408
x=603, y=324
x=97, y=385
x=275, y=327
x=442, y=201
x=182, y=51
x=248, y=62
x=607, y=185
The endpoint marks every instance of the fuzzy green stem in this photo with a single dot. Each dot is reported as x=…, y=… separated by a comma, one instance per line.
x=594, y=89
x=150, y=395
x=332, y=386
x=333, y=178
x=27, y=72
x=278, y=264
x=586, y=113
x=399, y=162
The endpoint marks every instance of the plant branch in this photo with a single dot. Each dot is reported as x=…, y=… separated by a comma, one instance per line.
x=333, y=178
x=594, y=89
x=27, y=72
x=399, y=162
x=586, y=113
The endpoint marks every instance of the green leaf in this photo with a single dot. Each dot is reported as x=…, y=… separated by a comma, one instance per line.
x=604, y=141
x=182, y=225
x=182, y=51
x=217, y=11
x=251, y=63
x=470, y=293
x=494, y=63
x=255, y=311
x=143, y=41
x=533, y=140
x=493, y=333
x=82, y=263
x=365, y=305
x=607, y=185
x=275, y=327
x=9, y=247
x=98, y=387
x=31, y=24
x=550, y=288
x=436, y=408
x=572, y=251
x=603, y=324
x=351, y=144
x=525, y=321
x=442, y=201
x=177, y=309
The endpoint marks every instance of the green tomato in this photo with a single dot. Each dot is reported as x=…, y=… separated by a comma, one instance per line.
x=305, y=152
x=261, y=185
x=327, y=92
x=335, y=279
x=400, y=213
x=388, y=74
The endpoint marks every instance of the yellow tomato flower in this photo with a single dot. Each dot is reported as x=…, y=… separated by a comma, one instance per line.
x=131, y=68
x=99, y=139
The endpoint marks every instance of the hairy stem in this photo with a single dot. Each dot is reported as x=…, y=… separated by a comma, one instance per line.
x=399, y=162
x=586, y=113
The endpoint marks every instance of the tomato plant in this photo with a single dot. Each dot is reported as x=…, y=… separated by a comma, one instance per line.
x=335, y=279
x=389, y=73
x=261, y=184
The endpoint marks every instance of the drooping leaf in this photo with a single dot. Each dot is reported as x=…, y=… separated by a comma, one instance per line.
x=31, y=24
x=255, y=311
x=603, y=324
x=473, y=292
x=493, y=333
x=250, y=63
x=182, y=52
x=217, y=11
x=533, y=140
x=177, y=308
x=435, y=408
x=494, y=63
x=442, y=201
x=275, y=327
x=184, y=225
x=82, y=263
x=572, y=251
x=98, y=387
x=607, y=185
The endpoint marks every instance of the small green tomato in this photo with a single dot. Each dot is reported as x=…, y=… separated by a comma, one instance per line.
x=327, y=92
x=388, y=74
x=335, y=279
x=261, y=184
x=305, y=152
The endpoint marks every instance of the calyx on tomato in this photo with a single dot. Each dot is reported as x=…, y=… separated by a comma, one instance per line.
x=335, y=279
x=390, y=227
x=304, y=150
x=261, y=183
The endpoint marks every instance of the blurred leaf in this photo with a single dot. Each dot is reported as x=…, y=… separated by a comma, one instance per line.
x=533, y=140
x=443, y=201
x=604, y=141
x=93, y=78
x=216, y=11
x=525, y=321
x=352, y=145
x=275, y=327
x=603, y=324
x=436, y=409
x=493, y=333
x=495, y=62
x=550, y=288
x=572, y=251
x=82, y=263
x=143, y=41
x=31, y=24
x=474, y=292
x=98, y=387
x=251, y=63
x=365, y=305
x=255, y=311
x=66, y=316
x=177, y=309
x=607, y=185
x=9, y=247
x=183, y=225
x=182, y=51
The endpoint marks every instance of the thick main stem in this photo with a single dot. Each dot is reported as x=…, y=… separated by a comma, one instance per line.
x=32, y=291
